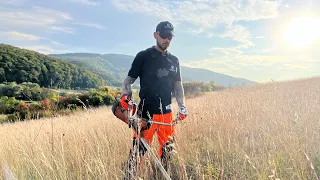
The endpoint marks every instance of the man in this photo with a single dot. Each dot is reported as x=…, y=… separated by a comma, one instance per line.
x=159, y=73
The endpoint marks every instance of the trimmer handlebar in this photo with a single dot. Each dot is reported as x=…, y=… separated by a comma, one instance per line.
x=133, y=120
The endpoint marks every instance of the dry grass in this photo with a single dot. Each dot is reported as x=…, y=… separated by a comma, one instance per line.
x=267, y=131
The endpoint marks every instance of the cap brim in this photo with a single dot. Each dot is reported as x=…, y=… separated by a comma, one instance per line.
x=167, y=32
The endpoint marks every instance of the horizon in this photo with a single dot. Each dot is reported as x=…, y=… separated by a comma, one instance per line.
x=257, y=40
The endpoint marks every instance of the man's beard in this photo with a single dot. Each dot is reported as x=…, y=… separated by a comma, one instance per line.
x=162, y=47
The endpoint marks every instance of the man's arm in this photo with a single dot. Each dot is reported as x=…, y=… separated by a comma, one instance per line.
x=126, y=85
x=178, y=87
x=179, y=93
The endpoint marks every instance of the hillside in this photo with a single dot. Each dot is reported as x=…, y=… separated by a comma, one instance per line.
x=196, y=74
x=265, y=131
x=114, y=67
x=110, y=67
x=21, y=65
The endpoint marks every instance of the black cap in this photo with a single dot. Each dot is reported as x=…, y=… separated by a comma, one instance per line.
x=165, y=27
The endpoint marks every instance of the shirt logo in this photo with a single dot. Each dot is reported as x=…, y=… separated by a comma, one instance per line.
x=162, y=73
x=173, y=69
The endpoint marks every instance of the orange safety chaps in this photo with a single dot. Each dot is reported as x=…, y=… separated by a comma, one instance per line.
x=165, y=133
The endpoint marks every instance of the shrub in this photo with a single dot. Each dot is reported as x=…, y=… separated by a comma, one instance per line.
x=8, y=105
x=192, y=89
x=108, y=99
x=103, y=96
x=22, y=110
x=46, y=104
x=96, y=99
x=11, y=118
x=48, y=100
x=195, y=88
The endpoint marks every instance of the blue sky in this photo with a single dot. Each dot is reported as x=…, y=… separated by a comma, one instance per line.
x=242, y=38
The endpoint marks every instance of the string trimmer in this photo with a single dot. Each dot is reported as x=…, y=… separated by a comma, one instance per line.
x=130, y=117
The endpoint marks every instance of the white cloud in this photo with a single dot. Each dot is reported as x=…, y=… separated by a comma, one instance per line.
x=269, y=50
x=203, y=13
x=51, y=12
x=258, y=67
x=18, y=36
x=12, y=2
x=56, y=43
x=231, y=63
x=233, y=57
x=34, y=17
x=86, y=2
x=92, y=25
x=61, y=29
x=37, y=18
x=42, y=49
x=259, y=37
x=214, y=64
x=153, y=8
x=294, y=66
x=197, y=31
x=225, y=51
x=240, y=34
x=41, y=18
x=261, y=60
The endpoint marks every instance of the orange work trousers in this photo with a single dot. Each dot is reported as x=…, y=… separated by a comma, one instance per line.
x=164, y=133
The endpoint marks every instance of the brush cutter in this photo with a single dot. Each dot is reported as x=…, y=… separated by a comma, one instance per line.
x=129, y=116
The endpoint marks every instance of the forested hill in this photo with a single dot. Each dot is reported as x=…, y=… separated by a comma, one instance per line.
x=21, y=65
x=103, y=65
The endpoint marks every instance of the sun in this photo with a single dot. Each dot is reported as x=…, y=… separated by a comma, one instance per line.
x=302, y=32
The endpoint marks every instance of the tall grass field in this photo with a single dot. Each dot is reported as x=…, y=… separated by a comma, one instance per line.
x=265, y=131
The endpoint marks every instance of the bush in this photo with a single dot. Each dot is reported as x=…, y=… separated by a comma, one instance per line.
x=25, y=91
x=108, y=99
x=102, y=96
x=48, y=102
x=96, y=99
x=195, y=88
x=11, y=118
x=22, y=110
x=8, y=105
x=45, y=104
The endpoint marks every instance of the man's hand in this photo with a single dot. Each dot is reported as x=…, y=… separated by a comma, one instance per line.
x=182, y=113
x=124, y=101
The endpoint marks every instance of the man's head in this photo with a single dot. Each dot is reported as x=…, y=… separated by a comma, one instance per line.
x=164, y=35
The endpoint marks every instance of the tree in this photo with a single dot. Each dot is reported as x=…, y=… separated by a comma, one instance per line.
x=2, y=75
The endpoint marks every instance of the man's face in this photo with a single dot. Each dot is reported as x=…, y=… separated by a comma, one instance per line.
x=163, y=40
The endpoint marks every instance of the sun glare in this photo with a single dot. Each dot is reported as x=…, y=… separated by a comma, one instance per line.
x=302, y=32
